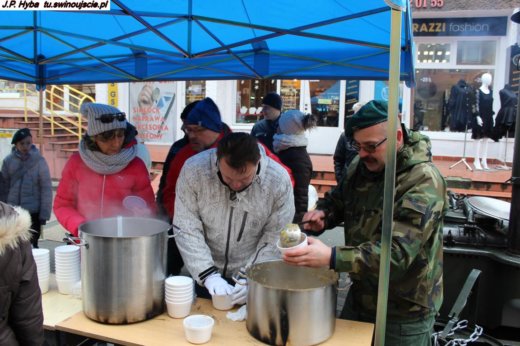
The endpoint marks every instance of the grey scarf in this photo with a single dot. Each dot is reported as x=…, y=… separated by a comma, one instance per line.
x=106, y=164
x=282, y=141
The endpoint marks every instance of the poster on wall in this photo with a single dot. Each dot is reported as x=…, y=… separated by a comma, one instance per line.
x=152, y=105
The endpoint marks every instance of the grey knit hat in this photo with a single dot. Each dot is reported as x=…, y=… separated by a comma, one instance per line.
x=291, y=122
x=102, y=118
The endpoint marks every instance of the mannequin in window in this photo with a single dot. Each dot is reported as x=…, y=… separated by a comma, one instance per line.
x=506, y=117
x=460, y=105
x=483, y=122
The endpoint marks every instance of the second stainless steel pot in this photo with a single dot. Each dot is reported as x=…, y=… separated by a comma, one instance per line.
x=289, y=305
x=123, y=267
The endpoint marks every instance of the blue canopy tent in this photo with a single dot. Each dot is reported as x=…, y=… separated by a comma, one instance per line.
x=204, y=39
x=157, y=40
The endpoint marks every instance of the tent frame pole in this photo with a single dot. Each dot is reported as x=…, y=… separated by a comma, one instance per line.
x=389, y=190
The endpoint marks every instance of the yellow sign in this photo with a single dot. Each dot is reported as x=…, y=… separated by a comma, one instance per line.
x=113, y=98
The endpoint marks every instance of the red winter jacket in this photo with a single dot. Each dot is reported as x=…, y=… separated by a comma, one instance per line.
x=84, y=195
x=178, y=162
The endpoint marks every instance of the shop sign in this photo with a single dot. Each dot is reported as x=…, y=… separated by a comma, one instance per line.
x=423, y=4
x=480, y=26
x=151, y=108
x=113, y=97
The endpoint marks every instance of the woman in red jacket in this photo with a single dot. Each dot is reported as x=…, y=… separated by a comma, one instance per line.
x=97, y=181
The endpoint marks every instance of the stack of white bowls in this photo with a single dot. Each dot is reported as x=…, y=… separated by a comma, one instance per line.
x=66, y=258
x=179, y=295
x=43, y=267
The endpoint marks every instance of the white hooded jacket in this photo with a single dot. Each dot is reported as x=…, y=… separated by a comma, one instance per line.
x=218, y=234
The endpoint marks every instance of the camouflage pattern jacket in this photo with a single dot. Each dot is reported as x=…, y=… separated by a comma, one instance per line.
x=415, y=288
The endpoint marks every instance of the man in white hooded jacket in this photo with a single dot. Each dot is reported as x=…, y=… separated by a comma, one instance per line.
x=231, y=204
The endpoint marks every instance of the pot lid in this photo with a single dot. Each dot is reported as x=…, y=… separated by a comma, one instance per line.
x=491, y=207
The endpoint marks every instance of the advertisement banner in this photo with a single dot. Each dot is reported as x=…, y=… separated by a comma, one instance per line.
x=152, y=105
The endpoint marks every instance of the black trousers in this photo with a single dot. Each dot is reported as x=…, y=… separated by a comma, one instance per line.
x=36, y=229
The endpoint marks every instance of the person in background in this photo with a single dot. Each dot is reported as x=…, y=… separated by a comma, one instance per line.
x=21, y=315
x=106, y=177
x=290, y=144
x=344, y=153
x=27, y=181
x=415, y=291
x=204, y=129
x=231, y=204
x=174, y=149
x=265, y=129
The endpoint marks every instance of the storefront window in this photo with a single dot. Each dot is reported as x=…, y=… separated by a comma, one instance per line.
x=325, y=101
x=249, y=98
x=195, y=90
x=290, y=91
x=476, y=52
x=431, y=110
x=433, y=53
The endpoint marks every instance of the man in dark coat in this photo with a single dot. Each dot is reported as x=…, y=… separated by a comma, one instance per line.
x=265, y=129
x=174, y=149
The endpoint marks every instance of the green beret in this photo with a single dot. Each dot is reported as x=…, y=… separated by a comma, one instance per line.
x=372, y=113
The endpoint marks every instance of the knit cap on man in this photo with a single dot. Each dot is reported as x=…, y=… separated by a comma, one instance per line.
x=20, y=135
x=274, y=100
x=94, y=113
x=205, y=114
x=374, y=112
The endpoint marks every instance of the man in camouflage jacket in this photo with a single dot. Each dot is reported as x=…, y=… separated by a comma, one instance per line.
x=415, y=290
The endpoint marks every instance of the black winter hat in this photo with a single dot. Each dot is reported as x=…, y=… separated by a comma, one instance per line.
x=20, y=135
x=274, y=100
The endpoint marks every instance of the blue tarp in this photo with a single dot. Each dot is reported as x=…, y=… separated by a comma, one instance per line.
x=203, y=39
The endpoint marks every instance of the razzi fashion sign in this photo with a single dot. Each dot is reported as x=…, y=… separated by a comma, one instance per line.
x=481, y=26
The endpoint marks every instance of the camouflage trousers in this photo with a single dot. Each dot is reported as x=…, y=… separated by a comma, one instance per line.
x=415, y=332
x=410, y=333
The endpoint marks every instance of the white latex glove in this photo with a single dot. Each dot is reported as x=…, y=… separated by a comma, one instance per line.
x=216, y=285
x=239, y=295
x=239, y=315
x=479, y=121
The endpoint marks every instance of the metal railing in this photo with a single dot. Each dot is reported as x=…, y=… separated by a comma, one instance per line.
x=61, y=106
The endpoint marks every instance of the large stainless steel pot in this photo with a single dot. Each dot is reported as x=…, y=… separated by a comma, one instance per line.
x=123, y=267
x=290, y=305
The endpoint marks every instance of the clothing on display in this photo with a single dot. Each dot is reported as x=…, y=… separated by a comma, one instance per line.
x=506, y=117
x=460, y=105
x=484, y=110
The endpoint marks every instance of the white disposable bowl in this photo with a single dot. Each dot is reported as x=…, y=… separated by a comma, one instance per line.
x=170, y=289
x=66, y=287
x=179, y=310
x=68, y=267
x=66, y=249
x=43, y=268
x=44, y=285
x=39, y=253
x=173, y=297
x=198, y=328
x=179, y=281
x=179, y=300
x=303, y=243
x=222, y=302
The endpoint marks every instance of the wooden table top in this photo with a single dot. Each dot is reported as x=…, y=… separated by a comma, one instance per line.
x=57, y=306
x=163, y=330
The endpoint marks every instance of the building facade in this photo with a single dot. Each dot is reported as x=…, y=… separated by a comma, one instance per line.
x=456, y=40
